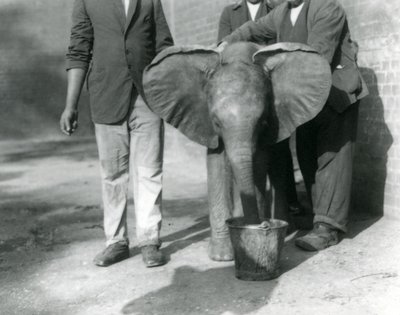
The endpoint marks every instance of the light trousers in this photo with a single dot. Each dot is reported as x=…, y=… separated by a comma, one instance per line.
x=136, y=145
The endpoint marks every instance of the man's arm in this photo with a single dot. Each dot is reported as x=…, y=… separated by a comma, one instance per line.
x=261, y=30
x=81, y=41
x=69, y=117
x=327, y=27
x=78, y=59
x=163, y=34
x=225, y=27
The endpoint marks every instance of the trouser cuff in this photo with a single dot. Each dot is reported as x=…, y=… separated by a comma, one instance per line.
x=149, y=243
x=120, y=241
x=324, y=219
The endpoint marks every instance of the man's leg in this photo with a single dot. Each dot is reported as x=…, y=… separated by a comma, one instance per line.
x=306, y=148
x=112, y=143
x=147, y=135
x=336, y=134
x=336, y=141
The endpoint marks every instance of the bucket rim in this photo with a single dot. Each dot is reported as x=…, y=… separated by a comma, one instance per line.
x=282, y=224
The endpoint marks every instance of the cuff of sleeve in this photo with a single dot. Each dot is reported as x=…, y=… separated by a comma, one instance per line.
x=71, y=64
x=229, y=39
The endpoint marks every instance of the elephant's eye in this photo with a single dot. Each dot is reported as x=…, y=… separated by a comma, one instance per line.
x=217, y=124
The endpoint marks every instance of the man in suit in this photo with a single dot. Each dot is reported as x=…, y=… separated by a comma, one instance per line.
x=325, y=145
x=233, y=16
x=112, y=41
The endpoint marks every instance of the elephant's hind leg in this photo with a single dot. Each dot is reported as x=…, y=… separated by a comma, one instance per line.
x=220, y=199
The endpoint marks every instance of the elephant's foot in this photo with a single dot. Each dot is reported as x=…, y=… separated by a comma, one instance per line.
x=220, y=249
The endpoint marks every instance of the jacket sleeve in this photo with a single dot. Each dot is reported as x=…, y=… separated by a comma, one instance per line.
x=326, y=30
x=163, y=34
x=225, y=27
x=262, y=30
x=79, y=52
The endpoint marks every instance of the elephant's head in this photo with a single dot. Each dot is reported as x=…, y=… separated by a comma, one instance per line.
x=249, y=96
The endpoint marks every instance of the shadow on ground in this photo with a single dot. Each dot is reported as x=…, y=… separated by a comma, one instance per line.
x=191, y=293
x=26, y=152
x=217, y=291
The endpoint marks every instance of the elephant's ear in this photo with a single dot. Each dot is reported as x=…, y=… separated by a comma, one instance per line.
x=301, y=81
x=174, y=85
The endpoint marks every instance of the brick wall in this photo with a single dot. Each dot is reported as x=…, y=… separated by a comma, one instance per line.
x=375, y=25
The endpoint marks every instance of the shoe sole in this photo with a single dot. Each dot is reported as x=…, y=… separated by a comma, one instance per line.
x=101, y=264
x=306, y=246
x=156, y=264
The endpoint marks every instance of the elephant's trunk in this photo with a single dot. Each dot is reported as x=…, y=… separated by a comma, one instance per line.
x=241, y=159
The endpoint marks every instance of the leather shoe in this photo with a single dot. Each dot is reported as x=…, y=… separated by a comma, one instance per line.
x=112, y=254
x=321, y=237
x=152, y=256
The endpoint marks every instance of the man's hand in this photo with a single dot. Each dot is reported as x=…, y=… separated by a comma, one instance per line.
x=69, y=121
x=221, y=47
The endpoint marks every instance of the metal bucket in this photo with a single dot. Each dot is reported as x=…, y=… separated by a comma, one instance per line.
x=257, y=248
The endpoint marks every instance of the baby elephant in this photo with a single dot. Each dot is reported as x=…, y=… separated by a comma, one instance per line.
x=238, y=104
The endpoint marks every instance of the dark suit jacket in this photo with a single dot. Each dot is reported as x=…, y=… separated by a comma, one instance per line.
x=118, y=49
x=328, y=33
x=235, y=15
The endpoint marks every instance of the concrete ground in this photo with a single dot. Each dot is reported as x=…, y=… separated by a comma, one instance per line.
x=51, y=228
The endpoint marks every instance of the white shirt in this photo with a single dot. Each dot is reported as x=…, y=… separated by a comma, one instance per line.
x=253, y=9
x=294, y=13
x=126, y=6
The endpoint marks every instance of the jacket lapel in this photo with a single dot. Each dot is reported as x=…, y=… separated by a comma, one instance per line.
x=280, y=19
x=244, y=13
x=120, y=12
x=263, y=10
x=131, y=12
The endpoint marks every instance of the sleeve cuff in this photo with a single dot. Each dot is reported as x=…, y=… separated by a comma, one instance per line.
x=229, y=39
x=72, y=64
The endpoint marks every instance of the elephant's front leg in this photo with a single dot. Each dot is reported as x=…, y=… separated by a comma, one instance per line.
x=220, y=203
